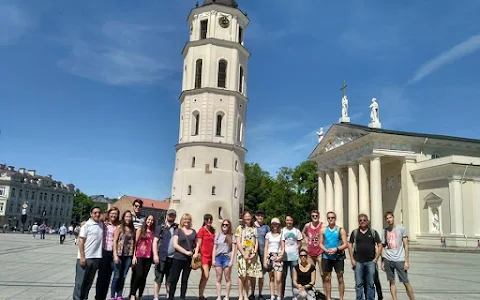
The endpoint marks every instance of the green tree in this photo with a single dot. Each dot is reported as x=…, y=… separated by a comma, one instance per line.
x=82, y=204
x=258, y=186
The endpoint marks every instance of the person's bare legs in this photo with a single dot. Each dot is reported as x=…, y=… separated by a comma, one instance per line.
x=203, y=280
x=243, y=286
x=409, y=289
x=228, y=280
x=341, y=286
x=278, y=281
x=327, y=285
x=253, y=284
x=219, y=273
x=393, y=289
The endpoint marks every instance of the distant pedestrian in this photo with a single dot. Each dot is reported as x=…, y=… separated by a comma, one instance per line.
x=478, y=245
x=443, y=242
x=142, y=257
x=396, y=255
x=34, y=230
x=43, y=229
x=137, y=217
x=90, y=240
x=105, y=271
x=70, y=230
x=62, y=231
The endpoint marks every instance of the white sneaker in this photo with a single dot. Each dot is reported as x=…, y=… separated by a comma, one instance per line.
x=219, y=298
x=226, y=298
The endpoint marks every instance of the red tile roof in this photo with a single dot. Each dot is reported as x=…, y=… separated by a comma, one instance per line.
x=150, y=203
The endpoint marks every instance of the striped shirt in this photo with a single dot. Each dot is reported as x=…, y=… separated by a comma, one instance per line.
x=138, y=221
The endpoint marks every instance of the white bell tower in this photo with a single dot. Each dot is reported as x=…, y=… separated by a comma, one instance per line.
x=210, y=154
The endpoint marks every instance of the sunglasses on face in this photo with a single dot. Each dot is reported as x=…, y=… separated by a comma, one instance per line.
x=303, y=255
x=331, y=218
x=137, y=206
x=96, y=212
x=363, y=220
x=314, y=216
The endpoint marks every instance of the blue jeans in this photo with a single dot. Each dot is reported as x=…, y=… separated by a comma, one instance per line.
x=288, y=265
x=364, y=274
x=120, y=272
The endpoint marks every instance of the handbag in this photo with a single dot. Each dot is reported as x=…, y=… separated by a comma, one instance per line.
x=319, y=295
x=196, y=263
x=270, y=261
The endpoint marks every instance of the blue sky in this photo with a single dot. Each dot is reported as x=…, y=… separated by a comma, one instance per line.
x=89, y=89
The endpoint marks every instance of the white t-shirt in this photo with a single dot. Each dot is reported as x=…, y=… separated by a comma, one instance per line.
x=274, y=242
x=35, y=228
x=62, y=230
x=92, y=232
x=291, y=238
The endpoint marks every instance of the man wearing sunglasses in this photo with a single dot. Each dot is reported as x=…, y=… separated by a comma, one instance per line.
x=365, y=248
x=311, y=233
x=137, y=217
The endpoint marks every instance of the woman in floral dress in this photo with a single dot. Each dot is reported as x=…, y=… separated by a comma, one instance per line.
x=248, y=261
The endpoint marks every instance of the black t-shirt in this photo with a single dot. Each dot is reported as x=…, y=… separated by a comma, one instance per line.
x=364, y=245
x=304, y=278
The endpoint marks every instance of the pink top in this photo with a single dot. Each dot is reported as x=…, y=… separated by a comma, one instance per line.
x=108, y=234
x=144, y=246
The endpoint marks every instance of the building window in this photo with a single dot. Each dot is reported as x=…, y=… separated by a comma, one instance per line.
x=12, y=192
x=58, y=198
x=240, y=35
x=213, y=190
x=45, y=197
x=222, y=74
x=239, y=130
x=2, y=191
x=196, y=123
x=33, y=195
x=193, y=162
x=215, y=162
x=218, y=129
x=63, y=198
x=203, y=29
x=236, y=165
x=52, y=197
x=189, y=189
x=198, y=73
x=235, y=193
x=20, y=194
x=1, y=206
x=240, y=80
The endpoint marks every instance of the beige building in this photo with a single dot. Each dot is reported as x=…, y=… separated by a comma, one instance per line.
x=210, y=154
x=41, y=198
x=430, y=182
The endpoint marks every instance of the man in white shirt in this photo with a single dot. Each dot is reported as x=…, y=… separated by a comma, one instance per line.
x=63, y=233
x=292, y=238
x=34, y=230
x=90, y=240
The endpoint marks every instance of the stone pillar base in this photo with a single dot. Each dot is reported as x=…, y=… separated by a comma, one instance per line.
x=344, y=120
x=375, y=125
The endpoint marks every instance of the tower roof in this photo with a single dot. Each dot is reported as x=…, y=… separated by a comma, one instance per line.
x=230, y=3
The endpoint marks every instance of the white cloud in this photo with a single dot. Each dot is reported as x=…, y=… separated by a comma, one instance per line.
x=121, y=54
x=14, y=22
x=465, y=48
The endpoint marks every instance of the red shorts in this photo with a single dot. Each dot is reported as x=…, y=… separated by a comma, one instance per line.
x=206, y=260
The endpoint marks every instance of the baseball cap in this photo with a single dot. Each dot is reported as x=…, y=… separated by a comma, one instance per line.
x=275, y=221
x=171, y=211
x=260, y=213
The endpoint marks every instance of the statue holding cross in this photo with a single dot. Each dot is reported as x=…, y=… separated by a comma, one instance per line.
x=345, y=118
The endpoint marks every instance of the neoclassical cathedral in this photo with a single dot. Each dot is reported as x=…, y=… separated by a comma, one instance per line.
x=431, y=182
x=210, y=154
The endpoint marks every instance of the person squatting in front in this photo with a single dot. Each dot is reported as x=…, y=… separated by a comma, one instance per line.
x=304, y=277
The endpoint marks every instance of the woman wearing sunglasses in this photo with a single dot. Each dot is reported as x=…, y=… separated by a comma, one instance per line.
x=304, y=277
x=224, y=251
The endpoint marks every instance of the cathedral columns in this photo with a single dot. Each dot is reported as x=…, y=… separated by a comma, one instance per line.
x=329, y=191
x=322, y=210
x=456, y=207
x=376, y=194
x=363, y=188
x=352, y=197
x=338, y=196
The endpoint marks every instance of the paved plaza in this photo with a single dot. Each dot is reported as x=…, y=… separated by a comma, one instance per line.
x=43, y=269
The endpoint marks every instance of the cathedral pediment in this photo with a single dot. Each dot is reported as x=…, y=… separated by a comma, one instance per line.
x=338, y=135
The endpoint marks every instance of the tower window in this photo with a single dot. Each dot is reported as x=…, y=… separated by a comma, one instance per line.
x=218, y=129
x=222, y=74
x=198, y=73
x=196, y=123
x=236, y=165
x=213, y=190
x=189, y=189
x=203, y=29
x=193, y=162
x=235, y=193
x=215, y=162
x=240, y=80
x=240, y=35
x=239, y=130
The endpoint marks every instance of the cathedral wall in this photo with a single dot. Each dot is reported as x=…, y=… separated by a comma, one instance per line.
x=441, y=189
x=391, y=189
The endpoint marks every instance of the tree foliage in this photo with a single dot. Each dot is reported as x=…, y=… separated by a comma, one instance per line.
x=292, y=192
x=82, y=204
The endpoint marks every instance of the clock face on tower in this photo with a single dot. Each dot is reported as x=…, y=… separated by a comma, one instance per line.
x=224, y=22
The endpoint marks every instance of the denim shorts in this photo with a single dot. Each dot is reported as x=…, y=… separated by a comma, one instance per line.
x=222, y=260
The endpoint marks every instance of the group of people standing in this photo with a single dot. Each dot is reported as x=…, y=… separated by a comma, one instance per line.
x=116, y=245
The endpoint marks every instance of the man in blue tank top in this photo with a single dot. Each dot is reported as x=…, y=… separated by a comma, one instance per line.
x=333, y=241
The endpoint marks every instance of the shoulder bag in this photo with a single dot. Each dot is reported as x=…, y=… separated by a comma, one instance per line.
x=196, y=263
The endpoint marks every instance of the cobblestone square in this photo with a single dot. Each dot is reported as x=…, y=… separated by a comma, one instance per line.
x=44, y=269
